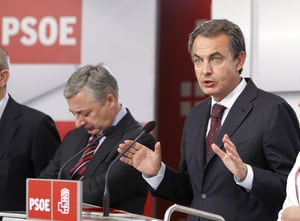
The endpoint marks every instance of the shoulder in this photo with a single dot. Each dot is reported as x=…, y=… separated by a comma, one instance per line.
x=201, y=109
x=25, y=110
x=253, y=92
x=129, y=128
x=35, y=116
x=29, y=117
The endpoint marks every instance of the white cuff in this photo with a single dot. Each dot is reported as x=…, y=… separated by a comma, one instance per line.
x=154, y=181
x=248, y=181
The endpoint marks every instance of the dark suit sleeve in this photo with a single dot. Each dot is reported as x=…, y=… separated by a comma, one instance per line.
x=45, y=142
x=52, y=169
x=281, y=145
x=123, y=179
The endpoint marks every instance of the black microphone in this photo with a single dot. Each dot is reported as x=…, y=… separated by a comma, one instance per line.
x=147, y=128
x=106, y=132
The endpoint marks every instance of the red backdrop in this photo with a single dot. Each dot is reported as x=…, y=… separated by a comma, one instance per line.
x=177, y=19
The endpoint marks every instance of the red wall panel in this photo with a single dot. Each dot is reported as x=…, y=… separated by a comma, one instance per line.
x=177, y=18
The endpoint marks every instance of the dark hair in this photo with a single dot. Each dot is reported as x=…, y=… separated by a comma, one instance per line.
x=215, y=27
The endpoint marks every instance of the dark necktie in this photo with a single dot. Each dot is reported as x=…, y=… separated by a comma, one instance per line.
x=86, y=156
x=215, y=125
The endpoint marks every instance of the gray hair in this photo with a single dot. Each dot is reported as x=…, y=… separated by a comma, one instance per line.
x=95, y=79
x=215, y=27
x=4, y=59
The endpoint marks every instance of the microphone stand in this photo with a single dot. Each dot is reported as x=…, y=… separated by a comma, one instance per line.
x=147, y=128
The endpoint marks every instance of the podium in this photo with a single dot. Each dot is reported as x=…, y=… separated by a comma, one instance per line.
x=86, y=216
x=122, y=216
x=62, y=200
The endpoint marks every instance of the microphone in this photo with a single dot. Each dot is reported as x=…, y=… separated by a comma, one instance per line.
x=106, y=132
x=147, y=128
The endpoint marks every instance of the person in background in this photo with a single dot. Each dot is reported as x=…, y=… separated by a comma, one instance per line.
x=291, y=207
x=92, y=96
x=242, y=176
x=28, y=140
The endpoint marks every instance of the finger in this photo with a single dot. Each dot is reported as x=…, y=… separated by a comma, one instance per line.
x=218, y=150
x=124, y=144
x=127, y=160
x=122, y=147
x=157, y=148
x=130, y=154
x=228, y=148
x=233, y=154
x=228, y=144
x=226, y=139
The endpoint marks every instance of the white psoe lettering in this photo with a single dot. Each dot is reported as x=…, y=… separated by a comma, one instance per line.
x=47, y=31
x=37, y=204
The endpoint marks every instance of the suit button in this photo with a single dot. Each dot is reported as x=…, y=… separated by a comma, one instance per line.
x=203, y=196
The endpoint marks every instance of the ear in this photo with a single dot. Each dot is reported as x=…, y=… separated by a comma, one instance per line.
x=110, y=98
x=240, y=61
x=4, y=75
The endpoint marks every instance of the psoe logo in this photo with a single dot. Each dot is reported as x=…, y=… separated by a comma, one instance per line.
x=64, y=203
x=47, y=31
x=51, y=33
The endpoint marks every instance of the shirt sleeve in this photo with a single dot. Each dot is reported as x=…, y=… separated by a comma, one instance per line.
x=154, y=181
x=248, y=181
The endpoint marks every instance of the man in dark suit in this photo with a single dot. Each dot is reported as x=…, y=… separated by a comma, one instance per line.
x=92, y=96
x=243, y=176
x=28, y=140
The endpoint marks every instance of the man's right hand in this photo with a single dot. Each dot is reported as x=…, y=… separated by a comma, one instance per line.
x=142, y=158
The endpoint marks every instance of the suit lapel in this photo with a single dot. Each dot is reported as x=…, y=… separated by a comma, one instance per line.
x=238, y=113
x=240, y=110
x=8, y=124
x=203, y=115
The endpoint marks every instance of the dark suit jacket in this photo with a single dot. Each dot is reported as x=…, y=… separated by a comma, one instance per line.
x=266, y=133
x=127, y=188
x=28, y=140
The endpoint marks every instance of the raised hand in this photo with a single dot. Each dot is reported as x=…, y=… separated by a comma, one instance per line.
x=142, y=158
x=231, y=158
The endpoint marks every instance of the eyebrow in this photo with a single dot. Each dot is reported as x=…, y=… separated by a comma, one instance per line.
x=210, y=56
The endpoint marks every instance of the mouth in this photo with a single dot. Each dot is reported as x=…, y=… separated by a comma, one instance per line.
x=208, y=83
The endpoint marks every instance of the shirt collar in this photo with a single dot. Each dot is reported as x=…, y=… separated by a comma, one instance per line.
x=229, y=100
x=3, y=104
x=119, y=115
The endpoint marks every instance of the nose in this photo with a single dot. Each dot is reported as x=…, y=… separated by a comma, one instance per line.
x=79, y=121
x=206, y=68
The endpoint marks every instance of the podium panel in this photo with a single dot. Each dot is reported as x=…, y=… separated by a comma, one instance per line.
x=122, y=215
x=86, y=216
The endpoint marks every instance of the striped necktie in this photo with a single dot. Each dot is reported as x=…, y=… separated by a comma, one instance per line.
x=86, y=156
